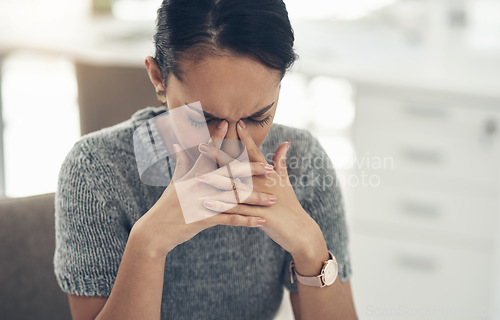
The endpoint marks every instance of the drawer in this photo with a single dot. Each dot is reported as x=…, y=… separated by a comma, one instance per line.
x=461, y=143
x=406, y=280
x=439, y=212
x=439, y=157
x=430, y=118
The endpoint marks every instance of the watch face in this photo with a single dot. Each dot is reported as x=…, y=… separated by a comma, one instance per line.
x=331, y=271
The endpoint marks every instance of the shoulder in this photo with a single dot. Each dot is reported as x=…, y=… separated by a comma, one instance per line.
x=301, y=140
x=114, y=140
x=119, y=136
x=304, y=148
x=109, y=151
x=280, y=131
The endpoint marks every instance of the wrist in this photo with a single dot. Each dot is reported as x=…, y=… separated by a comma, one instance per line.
x=309, y=258
x=312, y=242
x=310, y=263
x=142, y=240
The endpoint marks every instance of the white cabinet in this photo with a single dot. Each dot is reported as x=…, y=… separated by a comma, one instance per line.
x=413, y=280
x=424, y=237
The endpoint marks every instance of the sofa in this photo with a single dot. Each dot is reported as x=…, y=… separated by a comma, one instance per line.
x=28, y=287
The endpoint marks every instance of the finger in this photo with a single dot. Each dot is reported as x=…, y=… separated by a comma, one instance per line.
x=203, y=163
x=219, y=134
x=182, y=161
x=243, y=169
x=224, y=207
x=216, y=155
x=221, y=182
x=279, y=159
x=254, y=154
x=236, y=220
x=254, y=198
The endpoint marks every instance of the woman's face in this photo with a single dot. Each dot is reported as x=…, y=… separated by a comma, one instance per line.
x=229, y=88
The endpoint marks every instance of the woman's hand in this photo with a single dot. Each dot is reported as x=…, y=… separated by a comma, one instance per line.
x=287, y=223
x=164, y=226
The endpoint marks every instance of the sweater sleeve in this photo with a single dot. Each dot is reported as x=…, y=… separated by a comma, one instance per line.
x=323, y=201
x=90, y=229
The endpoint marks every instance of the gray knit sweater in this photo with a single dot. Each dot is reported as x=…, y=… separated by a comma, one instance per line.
x=224, y=272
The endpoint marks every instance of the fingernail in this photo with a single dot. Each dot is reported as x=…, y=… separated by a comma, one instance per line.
x=261, y=221
x=272, y=199
x=203, y=147
x=222, y=124
x=268, y=167
x=242, y=124
x=208, y=203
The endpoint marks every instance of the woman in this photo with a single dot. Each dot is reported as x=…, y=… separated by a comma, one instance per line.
x=124, y=249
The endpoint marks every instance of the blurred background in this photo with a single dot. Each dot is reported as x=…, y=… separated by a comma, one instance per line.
x=403, y=94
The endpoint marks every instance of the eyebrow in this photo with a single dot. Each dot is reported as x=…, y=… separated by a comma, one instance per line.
x=209, y=115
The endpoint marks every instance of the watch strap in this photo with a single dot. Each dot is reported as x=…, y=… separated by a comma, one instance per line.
x=313, y=281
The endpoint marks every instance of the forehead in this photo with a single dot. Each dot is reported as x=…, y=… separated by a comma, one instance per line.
x=221, y=83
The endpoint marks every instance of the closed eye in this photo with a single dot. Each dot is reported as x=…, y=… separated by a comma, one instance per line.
x=262, y=123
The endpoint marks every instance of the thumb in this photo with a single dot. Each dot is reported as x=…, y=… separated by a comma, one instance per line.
x=279, y=159
x=182, y=163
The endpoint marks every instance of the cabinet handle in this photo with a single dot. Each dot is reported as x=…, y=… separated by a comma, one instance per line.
x=420, y=155
x=421, y=264
x=490, y=127
x=419, y=209
x=427, y=112
x=488, y=136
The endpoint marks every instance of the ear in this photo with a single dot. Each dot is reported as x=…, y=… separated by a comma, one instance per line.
x=154, y=73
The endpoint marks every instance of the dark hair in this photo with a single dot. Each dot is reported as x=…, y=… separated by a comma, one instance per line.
x=194, y=29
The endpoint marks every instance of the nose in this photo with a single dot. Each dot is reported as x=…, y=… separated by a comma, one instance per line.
x=231, y=143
